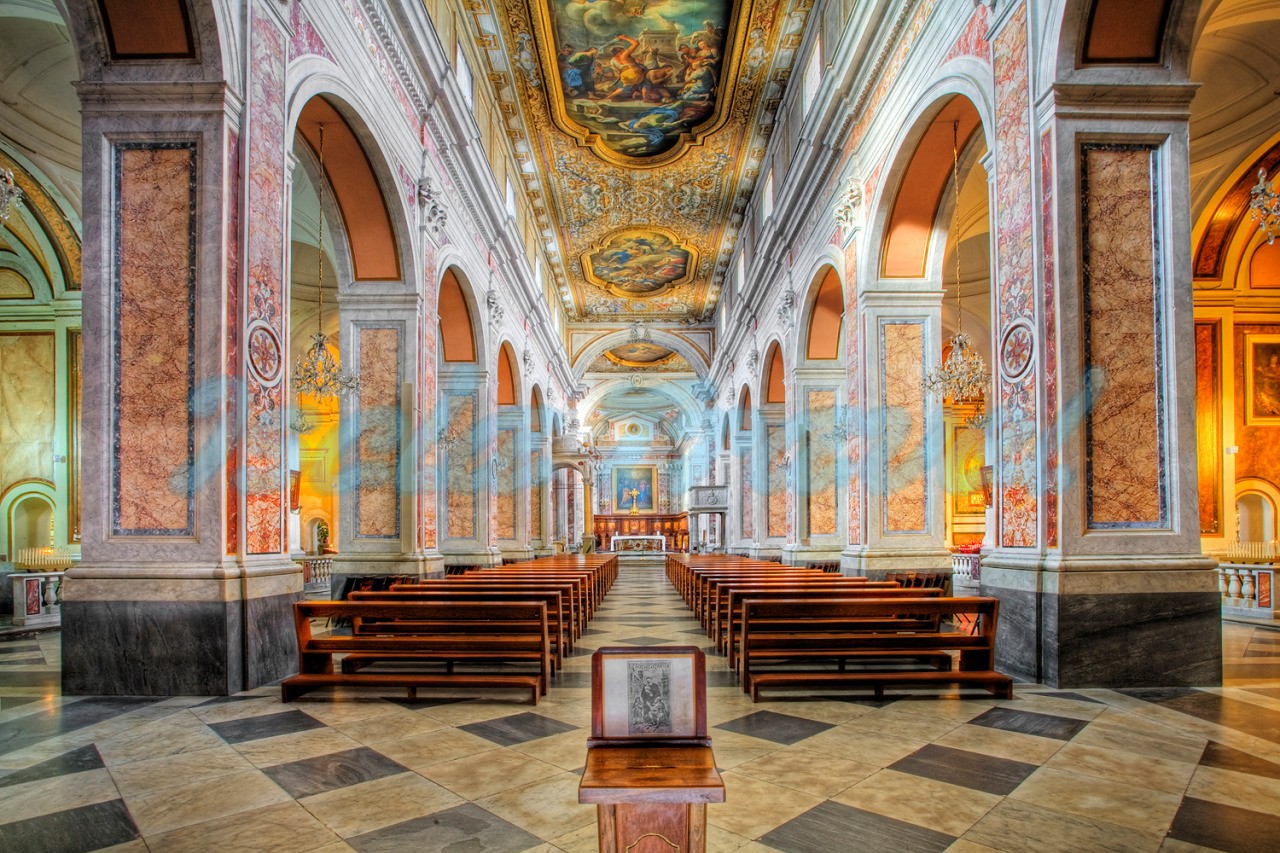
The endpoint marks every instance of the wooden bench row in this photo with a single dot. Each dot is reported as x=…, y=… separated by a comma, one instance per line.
x=524, y=616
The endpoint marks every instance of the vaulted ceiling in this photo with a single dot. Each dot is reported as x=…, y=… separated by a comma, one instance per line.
x=642, y=124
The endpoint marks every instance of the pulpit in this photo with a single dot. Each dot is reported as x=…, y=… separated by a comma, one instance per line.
x=650, y=770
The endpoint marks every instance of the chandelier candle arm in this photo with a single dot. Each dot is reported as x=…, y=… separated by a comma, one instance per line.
x=1264, y=207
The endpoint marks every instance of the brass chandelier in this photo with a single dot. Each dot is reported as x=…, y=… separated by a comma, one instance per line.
x=319, y=373
x=1264, y=206
x=963, y=376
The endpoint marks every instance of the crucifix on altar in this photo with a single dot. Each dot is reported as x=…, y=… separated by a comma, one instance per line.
x=635, y=499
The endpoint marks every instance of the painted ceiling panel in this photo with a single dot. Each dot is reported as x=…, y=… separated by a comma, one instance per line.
x=646, y=121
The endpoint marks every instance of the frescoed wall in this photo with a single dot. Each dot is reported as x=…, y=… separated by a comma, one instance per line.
x=378, y=431
x=902, y=438
x=776, y=481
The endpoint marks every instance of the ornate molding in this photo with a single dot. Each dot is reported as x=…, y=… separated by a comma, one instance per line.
x=431, y=204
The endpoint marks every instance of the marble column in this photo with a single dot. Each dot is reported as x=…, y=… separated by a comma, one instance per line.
x=377, y=448
x=773, y=468
x=742, y=495
x=904, y=467
x=465, y=466
x=540, y=488
x=186, y=586
x=1098, y=564
x=820, y=467
x=514, y=522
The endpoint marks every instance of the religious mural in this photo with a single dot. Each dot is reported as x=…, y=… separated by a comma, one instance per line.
x=633, y=487
x=638, y=73
x=638, y=262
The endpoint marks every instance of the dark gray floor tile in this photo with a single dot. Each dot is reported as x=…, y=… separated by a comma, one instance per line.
x=1227, y=758
x=267, y=725
x=1229, y=828
x=7, y=702
x=1029, y=723
x=518, y=728
x=33, y=728
x=463, y=829
x=415, y=704
x=1074, y=697
x=779, y=728
x=329, y=772
x=832, y=827
x=966, y=769
x=1225, y=711
x=223, y=700
x=84, y=758
x=72, y=831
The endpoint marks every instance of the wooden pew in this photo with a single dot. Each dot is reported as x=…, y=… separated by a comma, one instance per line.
x=557, y=601
x=833, y=630
x=446, y=634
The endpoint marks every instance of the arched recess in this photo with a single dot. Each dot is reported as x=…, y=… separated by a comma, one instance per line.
x=1224, y=229
x=824, y=335
x=692, y=354
x=690, y=409
x=1100, y=33
x=909, y=227
x=508, y=378
x=773, y=379
x=744, y=409
x=349, y=168
x=458, y=333
x=725, y=433
x=27, y=515
x=540, y=426
x=1257, y=506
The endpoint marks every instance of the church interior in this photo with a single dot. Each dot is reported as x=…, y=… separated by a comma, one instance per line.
x=308, y=305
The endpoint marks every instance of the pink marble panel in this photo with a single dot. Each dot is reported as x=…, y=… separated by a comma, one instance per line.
x=853, y=391
x=902, y=437
x=1123, y=338
x=154, y=437
x=264, y=257
x=428, y=324
x=306, y=39
x=1019, y=501
x=1209, y=426
x=505, y=460
x=822, y=463
x=535, y=496
x=776, y=481
x=234, y=321
x=1050, y=338
x=747, y=506
x=461, y=488
x=378, y=430
x=973, y=40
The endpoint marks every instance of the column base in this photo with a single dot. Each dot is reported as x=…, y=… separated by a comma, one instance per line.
x=173, y=631
x=1122, y=622
x=799, y=555
x=877, y=562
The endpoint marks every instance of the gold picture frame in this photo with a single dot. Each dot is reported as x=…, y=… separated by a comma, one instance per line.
x=643, y=479
x=1262, y=380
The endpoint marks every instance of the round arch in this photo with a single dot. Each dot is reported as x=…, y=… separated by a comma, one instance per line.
x=509, y=384
x=192, y=33
x=16, y=497
x=744, y=409
x=673, y=342
x=1249, y=528
x=773, y=373
x=690, y=409
x=377, y=224
x=822, y=313
x=465, y=312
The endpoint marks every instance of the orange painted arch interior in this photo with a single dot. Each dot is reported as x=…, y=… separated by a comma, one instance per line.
x=826, y=321
x=457, y=341
x=506, y=377
x=744, y=411
x=906, y=242
x=364, y=211
x=776, y=392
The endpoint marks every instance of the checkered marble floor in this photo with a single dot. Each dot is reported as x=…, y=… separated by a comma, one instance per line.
x=1147, y=770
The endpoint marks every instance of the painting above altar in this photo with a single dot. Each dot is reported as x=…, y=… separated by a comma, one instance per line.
x=633, y=488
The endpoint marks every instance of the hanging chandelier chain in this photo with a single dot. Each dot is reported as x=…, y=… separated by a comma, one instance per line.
x=318, y=373
x=963, y=376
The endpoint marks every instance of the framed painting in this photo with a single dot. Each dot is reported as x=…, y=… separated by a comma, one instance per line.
x=1262, y=380
x=633, y=488
x=651, y=694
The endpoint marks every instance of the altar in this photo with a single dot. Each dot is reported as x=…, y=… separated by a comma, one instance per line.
x=638, y=544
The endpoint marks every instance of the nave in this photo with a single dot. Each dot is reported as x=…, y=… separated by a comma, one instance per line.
x=344, y=769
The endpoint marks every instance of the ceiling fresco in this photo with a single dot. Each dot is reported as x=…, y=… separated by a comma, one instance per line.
x=639, y=120
x=639, y=262
x=640, y=356
x=636, y=78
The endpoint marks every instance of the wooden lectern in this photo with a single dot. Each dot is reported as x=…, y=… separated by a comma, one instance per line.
x=650, y=770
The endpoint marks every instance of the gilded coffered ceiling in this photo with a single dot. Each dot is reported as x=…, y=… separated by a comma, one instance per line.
x=640, y=125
